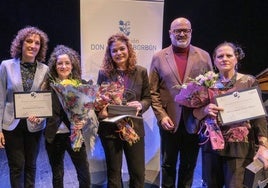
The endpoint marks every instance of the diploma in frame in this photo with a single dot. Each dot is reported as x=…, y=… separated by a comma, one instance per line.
x=37, y=103
x=241, y=106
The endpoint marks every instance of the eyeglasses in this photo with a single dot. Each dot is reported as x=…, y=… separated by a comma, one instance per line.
x=184, y=31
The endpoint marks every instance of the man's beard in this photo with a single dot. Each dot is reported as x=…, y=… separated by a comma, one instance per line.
x=180, y=44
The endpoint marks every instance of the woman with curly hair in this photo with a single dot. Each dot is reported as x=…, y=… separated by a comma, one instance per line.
x=23, y=73
x=64, y=63
x=120, y=65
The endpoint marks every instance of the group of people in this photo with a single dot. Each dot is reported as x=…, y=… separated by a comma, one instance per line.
x=26, y=72
x=178, y=125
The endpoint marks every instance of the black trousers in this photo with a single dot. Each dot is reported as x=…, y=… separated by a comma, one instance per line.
x=222, y=171
x=174, y=144
x=135, y=158
x=22, y=149
x=56, y=151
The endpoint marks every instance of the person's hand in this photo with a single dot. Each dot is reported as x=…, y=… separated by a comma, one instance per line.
x=167, y=124
x=79, y=124
x=212, y=109
x=136, y=104
x=103, y=113
x=262, y=154
x=2, y=140
x=34, y=119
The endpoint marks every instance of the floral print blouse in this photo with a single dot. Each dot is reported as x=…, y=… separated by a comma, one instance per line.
x=27, y=74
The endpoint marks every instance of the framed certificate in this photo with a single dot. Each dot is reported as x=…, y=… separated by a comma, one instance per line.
x=241, y=106
x=38, y=103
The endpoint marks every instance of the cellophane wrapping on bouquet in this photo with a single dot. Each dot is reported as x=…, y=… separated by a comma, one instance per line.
x=112, y=93
x=199, y=92
x=192, y=96
x=78, y=102
x=109, y=93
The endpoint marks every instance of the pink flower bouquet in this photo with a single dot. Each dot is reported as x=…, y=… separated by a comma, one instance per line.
x=197, y=93
x=192, y=96
x=77, y=100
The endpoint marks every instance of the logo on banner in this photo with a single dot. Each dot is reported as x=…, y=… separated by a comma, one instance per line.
x=124, y=27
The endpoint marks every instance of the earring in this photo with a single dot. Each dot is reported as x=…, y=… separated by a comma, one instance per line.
x=236, y=66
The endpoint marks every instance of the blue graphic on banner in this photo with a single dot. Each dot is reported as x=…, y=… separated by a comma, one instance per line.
x=124, y=27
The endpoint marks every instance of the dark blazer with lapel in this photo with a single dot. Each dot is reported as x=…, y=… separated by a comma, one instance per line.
x=10, y=82
x=138, y=82
x=164, y=76
x=58, y=116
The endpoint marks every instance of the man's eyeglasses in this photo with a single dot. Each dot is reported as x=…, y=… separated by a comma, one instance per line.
x=179, y=31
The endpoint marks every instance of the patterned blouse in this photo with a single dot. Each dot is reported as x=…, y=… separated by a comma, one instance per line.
x=27, y=74
x=241, y=138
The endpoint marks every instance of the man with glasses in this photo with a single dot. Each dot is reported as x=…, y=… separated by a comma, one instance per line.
x=173, y=66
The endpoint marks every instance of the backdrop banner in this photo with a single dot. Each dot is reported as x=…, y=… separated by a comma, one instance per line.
x=142, y=22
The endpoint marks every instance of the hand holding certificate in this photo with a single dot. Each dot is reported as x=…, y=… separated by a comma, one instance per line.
x=37, y=104
x=240, y=106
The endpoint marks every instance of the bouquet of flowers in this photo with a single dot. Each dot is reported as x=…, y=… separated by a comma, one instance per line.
x=197, y=93
x=113, y=93
x=109, y=93
x=77, y=100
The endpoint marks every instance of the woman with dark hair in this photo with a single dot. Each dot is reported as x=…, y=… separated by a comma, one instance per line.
x=23, y=73
x=64, y=63
x=226, y=167
x=120, y=64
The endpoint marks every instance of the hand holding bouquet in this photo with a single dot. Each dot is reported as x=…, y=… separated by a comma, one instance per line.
x=77, y=100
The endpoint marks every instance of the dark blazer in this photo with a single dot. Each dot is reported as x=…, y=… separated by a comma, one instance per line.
x=10, y=82
x=58, y=116
x=138, y=82
x=164, y=76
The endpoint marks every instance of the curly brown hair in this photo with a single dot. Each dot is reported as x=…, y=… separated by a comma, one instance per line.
x=74, y=57
x=16, y=45
x=52, y=74
x=108, y=65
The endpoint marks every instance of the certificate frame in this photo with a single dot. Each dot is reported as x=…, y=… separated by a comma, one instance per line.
x=36, y=103
x=241, y=106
